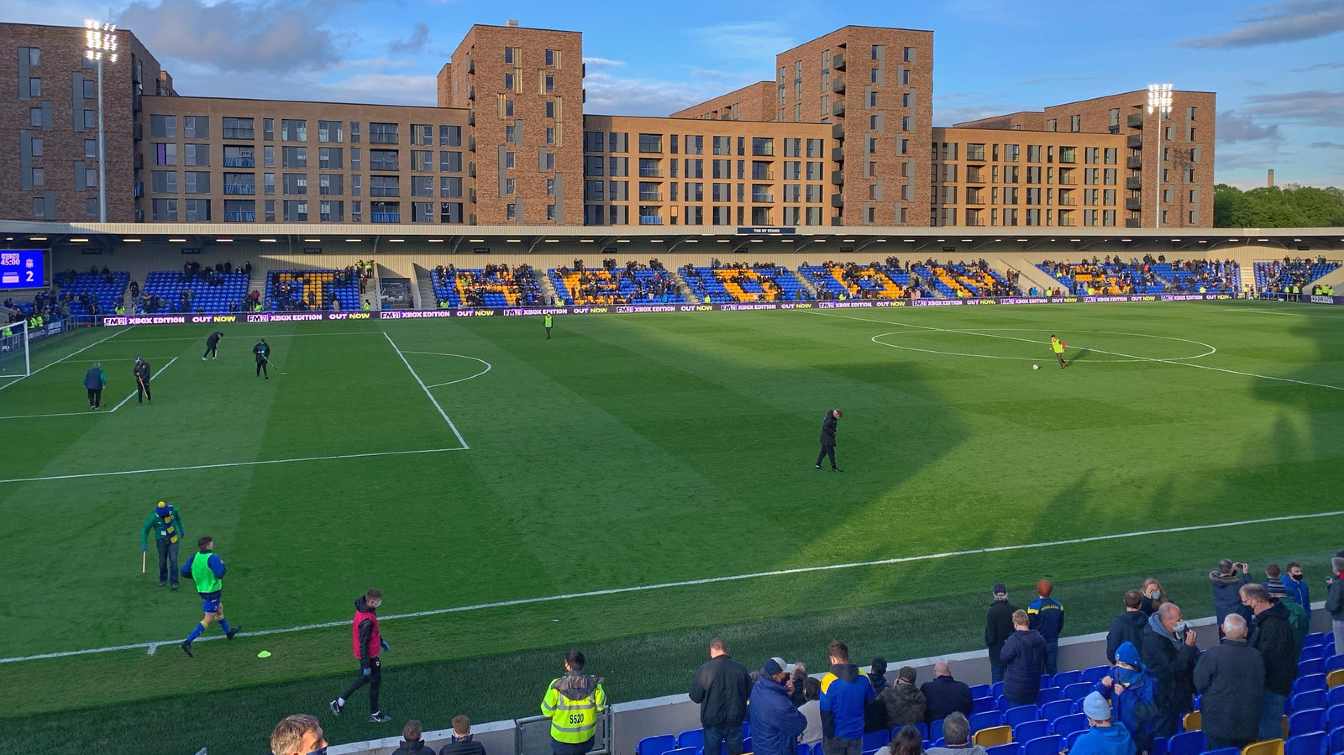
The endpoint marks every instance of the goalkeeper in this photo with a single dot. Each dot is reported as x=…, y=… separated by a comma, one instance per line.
x=1057, y=347
x=166, y=524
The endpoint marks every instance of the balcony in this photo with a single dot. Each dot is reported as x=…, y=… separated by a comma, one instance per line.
x=1134, y=141
x=838, y=85
x=382, y=137
x=389, y=166
x=240, y=189
x=240, y=133
x=1133, y=203
x=1134, y=183
x=240, y=216
x=650, y=196
x=837, y=200
x=1133, y=223
x=838, y=154
x=1135, y=120
x=240, y=162
x=838, y=132
x=386, y=217
x=838, y=61
x=838, y=108
x=838, y=177
x=1134, y=163
x=650, y=173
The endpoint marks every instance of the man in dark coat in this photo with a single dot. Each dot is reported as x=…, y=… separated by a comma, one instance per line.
x=1128, y=626
x=1225, y=581
x=721, y=687
x=828, y=424
x=998, y=628
x=212, y=345
x=142, y=373
x=1023, y=657
x=262, y=351
x=462, y=742
x=775, y=723
x=94, y=381
x=1169, y=653
x=1231, y=680
x=1273, y=636
x=945, y=695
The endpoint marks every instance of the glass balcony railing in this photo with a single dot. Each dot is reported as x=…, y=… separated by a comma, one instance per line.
x=386, y=217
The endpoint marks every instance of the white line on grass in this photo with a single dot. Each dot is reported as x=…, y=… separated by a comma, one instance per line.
x=131, y=395
x=227, y=464
x=1099, y=351
x=704, y=581
x=425, y=388
x=67, y=356
x=266, y=335
x=488, y=366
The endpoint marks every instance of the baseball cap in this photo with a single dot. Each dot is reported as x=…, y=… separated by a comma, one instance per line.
x=783, y=665
x=1096, y=708
x=771, y=667
x=999, y=589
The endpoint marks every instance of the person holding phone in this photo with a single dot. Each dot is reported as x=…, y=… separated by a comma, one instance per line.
x=1226, y=582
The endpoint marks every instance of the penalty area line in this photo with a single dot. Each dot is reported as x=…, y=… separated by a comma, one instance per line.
x=228, y=464
x=696, y=582
x=428, y=394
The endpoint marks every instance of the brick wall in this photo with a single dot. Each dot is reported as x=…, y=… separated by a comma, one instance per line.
x=754, y=102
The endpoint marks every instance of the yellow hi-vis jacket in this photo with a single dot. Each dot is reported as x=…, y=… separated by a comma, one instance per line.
x=573, y=703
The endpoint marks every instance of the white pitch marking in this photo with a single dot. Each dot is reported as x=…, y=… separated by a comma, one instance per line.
x=977, y=332
x=131, y=395
x=488, y=366
x=67, y=356
x=260, y=334
x=703, y=581
x=1099, y=351
x=225, y=465
x=89, y=413
x=425, y=388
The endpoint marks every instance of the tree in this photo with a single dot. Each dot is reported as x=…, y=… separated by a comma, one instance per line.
x=1275, y=207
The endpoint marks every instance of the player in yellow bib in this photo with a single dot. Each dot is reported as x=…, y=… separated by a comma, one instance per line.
x=1058, y=347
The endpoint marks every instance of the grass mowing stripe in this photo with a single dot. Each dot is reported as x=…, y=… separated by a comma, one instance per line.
x=62, y=359
x=425, y=388
x=151, y=646
x=224, y=465
x=151, y=380
x=1099, y=351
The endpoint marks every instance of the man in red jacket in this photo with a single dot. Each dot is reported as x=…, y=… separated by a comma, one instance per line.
x=368, y=645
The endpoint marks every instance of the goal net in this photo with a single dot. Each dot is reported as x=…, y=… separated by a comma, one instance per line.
x=14, y=361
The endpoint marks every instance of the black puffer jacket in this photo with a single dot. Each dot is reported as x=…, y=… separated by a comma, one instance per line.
x=1231, y=680
x=1127, y=627
x=1172, y=665
x=721, y=687
x=1273, y=636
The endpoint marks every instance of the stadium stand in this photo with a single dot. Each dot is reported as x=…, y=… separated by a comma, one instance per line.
x=1112, y=276
x=312, y=289
x=836, y=280
x=964, y=281
x=1189, y=276
x=764, y=282
x=208, y=291
x=1273, y=275
x=490, y=286
x=610, y=284
x=91, y=293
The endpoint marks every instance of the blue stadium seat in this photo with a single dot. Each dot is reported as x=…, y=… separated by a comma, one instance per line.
x=1305, y=744
x=1336, y=742
x=1314, y=698
x=1012, y=748
x=984, y=704
x=935, y=730
x=1069, y=724
x=684, y=751
x=1020, y=714
x=802, y=749
x=1311, y=666
x=1065, y=678
x=985, y=720
x=1309, y=682
x=995, y=690
x=1047, y=745
x=658, y=745
x=1048, y=694
x=1312, y=652
x=980, y=690
x=1335, y=697
x=1186, y=743
x=1077, y=691
x=1223, y=751
x=1029, y=730
x=746, y=745
x=1333, y=663
x=872, y=740
x=1306, y=721
x=691, y=738
x=1072, y=737
x=1094, y=674
x=1315, y=638
x=1056, y=708
x=1334, y=716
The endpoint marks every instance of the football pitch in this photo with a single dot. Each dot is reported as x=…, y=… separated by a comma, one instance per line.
x=632, y=486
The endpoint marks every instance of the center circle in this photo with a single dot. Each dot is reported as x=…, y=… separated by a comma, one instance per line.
x=1208, y=348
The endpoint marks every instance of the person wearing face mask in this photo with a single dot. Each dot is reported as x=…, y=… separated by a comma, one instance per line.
x=1130, y=688
x=1296, y=587
x=1153, y=597
x=1169, y=653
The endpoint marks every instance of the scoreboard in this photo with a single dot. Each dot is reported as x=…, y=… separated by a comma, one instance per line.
x=23, y=268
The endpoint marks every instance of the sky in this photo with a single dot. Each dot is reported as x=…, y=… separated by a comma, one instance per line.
x=1277, y=66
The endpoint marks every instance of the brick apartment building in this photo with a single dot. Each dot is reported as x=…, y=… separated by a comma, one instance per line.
x=842, y=136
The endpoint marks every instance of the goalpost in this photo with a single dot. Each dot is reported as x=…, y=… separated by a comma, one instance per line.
x=14, y=358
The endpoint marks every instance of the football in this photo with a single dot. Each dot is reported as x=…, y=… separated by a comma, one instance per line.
x=1035, y=366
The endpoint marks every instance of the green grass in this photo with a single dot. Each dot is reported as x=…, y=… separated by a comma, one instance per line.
x=631, y=450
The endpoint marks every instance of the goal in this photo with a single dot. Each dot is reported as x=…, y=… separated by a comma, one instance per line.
x=14, y=360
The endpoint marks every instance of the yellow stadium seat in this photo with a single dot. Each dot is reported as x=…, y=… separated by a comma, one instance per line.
x=1334, y=678
x=1193, y=721
x=1267, y=747
x=993, y=736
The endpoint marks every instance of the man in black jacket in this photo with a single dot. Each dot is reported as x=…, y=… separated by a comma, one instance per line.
x=1169, y=652
x=998, y=628
x=462, y=743
x=142, y=374
x=1231, y=681
x=1273, y=636
x=212, y=345
x=1023, y=657
x=721, y=687
x=1128, y=626
x=945, y=695
x=828, y=424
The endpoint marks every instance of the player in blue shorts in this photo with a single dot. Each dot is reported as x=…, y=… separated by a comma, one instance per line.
x=207, y=570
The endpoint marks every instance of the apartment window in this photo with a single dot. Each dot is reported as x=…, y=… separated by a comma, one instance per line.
x=329, y=132
x=872, y=98
x=268, y=156
x=90, y=119
x=546, y=160
x=293, y=130
x=35, y=117
x=39, y=177
x=450, y=187
x=268, y=183
x=651, y=143
x=510, y=160
x=1052, y=124
x=1075, y=123
x=1190, y=113
x=384, y=186
x=383, y=133
x=35, y=146
x=329, y=184
x=294, y=157
x=548, y=84
x=296, y=211
x=1113, y=119
x=34, y=56
x=240, y=211
x=508, y=81
x=356, y=187
x=511, y=211
x=354, y=139
x=762, y=146
x=34, y=87
x=296, y=183
x=164, y=209
x=422, y=134
x=240, y=183
x=903, y=146
x=382, y=159
x=270, y=210
x=330, y=211
x=238, y=128
x=195, y=127
x=550, y=57
x=422, y=186
x=908, y=55
x=354, y=158
x=422, y=160
x=450, y=162
x=165, y=154
x=450, y=136
x=268, y=134
x=163, y=126
x=451, y=212
x=905, y=76
x=196, y=182
x=87, y=89
x=328, y=158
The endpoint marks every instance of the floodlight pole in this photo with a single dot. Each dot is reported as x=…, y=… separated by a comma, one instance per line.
x=100, y=40
x=102, y=151
x=1159, y=101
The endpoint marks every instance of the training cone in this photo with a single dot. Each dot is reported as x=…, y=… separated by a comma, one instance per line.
x=264, y=654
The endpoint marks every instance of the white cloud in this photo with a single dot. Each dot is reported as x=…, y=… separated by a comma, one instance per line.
x=1286, y=21
x=757, y=41
x=233, y=36
x=1240, y=127
x=596, y=62
x=414, y=43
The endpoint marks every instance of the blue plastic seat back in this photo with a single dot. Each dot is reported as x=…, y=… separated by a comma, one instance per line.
x=1310, y=743
x=1306, y=721
x=1186, y=743
x=1056, y=709
x=1047, y=745
x=1020, y=714
x=692, y=738
x=1070, y=723
x=658, y=745
x=1025, y=732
